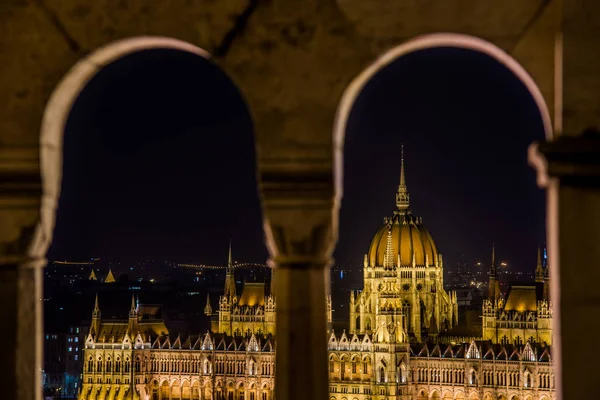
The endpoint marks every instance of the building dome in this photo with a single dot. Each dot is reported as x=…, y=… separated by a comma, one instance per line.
x=407, y=237
x=402, y=236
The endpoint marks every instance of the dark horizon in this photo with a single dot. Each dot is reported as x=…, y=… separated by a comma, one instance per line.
x=159, y=162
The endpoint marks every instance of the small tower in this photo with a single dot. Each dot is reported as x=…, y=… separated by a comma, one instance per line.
x=93, y=276
x=133, y=317
x=494, y=284
x=546, y=293
x=208, y=308
x=229, y=278
x=539, y=270
x=402, y=196
x=96, y=315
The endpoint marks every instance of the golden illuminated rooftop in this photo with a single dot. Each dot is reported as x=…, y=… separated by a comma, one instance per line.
x=521, y=298
x=253, y=295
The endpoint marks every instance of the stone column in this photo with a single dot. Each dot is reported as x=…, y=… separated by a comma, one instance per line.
x=571, y=170
x=22, y=250
x=298, y=202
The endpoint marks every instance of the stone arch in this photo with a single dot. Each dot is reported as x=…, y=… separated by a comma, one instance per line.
x=488, y=396
x=422, y=395
x=435, y=395
x=447, y=395
x=57, y=112
x=453, y=40
x=474, y=396
x=459, y=395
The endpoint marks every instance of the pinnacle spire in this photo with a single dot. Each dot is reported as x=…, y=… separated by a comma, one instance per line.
x=132, y=310
x=539, y=270
x=493, y=267
x=230, y=258
x=402, y=196
x=96, y=312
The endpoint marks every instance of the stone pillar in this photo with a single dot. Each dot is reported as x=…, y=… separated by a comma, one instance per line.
x=298, y=202
x=571, y=171
x=22, y=250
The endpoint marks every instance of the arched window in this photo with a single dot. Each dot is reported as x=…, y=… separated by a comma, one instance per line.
x=353, y=365
x=504, y=339
x=331, y=366
x=108, y=365
x=382, y=375
x=368, y=324
x=99, y=365
x=138, y=365
x=118, y=365
x=127, y=365
x=527, y=380
x=473, y=378
x=90, y=365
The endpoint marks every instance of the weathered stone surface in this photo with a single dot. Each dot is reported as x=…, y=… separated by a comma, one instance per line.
x=292, y=60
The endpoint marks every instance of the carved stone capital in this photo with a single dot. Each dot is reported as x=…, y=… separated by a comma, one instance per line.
x=575, y=160
x=298, y=203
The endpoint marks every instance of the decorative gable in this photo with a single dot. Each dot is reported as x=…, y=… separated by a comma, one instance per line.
x=253, y=344
x=528, y=353
x=473, y=351
x=207, y=344
x=354, y=343
x=333, y=343
x=344, y=344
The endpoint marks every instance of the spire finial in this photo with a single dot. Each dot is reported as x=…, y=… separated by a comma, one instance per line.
x=539, y=271
x=229, y=259
x=133, y=309
x=96, y=312
x=402, y=197
x=493, y=267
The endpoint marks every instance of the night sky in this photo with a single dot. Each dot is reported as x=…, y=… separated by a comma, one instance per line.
x=159, y=162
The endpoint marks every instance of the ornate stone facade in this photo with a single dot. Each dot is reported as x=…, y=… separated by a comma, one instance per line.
x=384, y=360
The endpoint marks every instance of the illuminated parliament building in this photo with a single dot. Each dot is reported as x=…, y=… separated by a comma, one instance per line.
x=401, y=342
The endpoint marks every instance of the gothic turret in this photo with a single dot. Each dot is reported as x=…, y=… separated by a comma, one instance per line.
x=402, y=196
x=494, y=283
x=229, y=278
x=208, y=308
x=95, y=328
x=133, y=317
x=539, y=270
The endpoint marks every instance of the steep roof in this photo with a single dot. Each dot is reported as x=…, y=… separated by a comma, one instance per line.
x=253, y=294
x=521, y=298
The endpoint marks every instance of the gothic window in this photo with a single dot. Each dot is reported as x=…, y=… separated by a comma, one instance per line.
x=365, y=367
x=99, y=365
x=342, y=370
x=353, y=366
x=382, y=375
x=138, y=366
x=473, y=378
x=127, y=365
x=368, y=323
x=331, y=366
x=118, y=365
x=527, y=380
x=90, y=364
x=108, y=365
x=504, y=339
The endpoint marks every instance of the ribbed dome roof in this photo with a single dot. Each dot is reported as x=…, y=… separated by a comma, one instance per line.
x=402, y=236
x=407, y=237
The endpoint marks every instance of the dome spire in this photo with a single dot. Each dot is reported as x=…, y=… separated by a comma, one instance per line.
x=402, y=197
